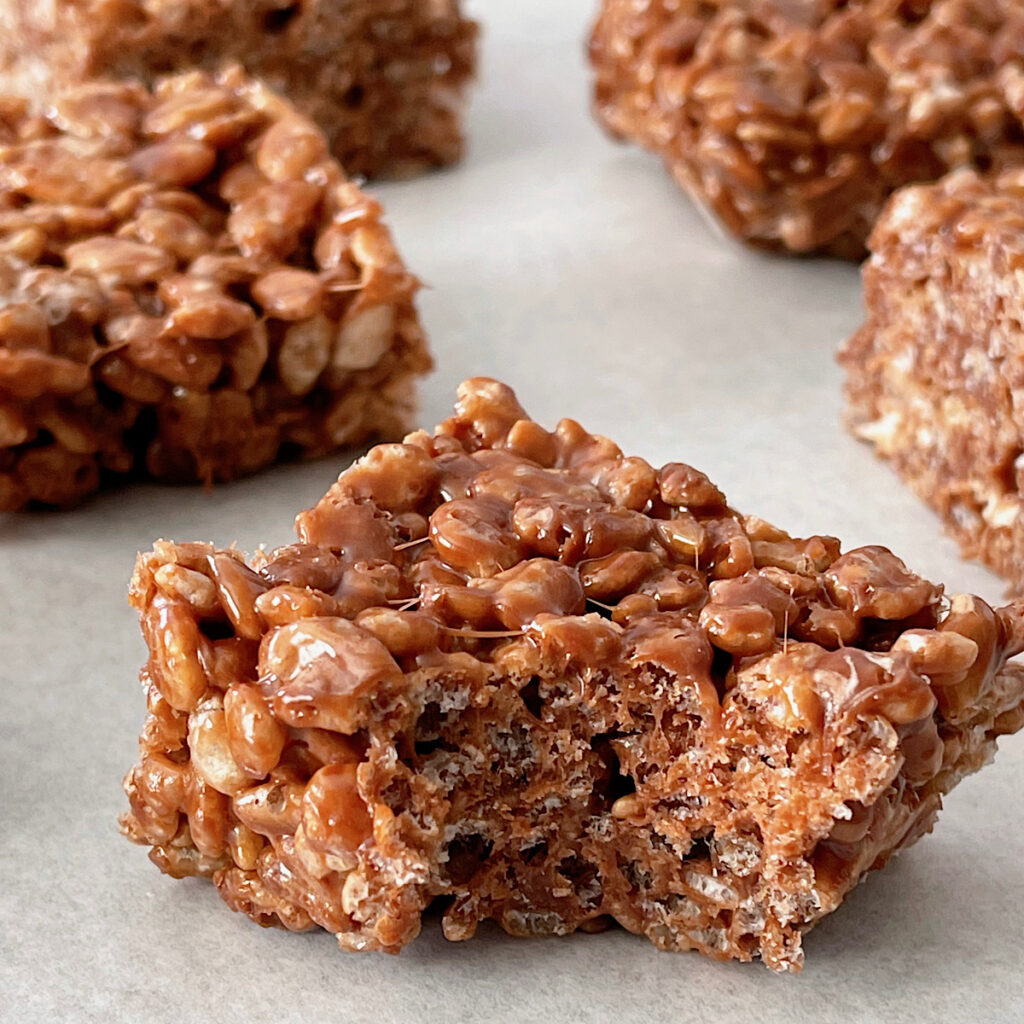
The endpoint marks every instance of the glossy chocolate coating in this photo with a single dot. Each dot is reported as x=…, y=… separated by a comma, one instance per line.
x=552, y=685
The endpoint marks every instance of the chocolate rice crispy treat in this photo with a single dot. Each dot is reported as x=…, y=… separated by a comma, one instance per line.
x=935, y=377
x=385, y=79
x=515, y=671
x=793, y=121
x=189, y=288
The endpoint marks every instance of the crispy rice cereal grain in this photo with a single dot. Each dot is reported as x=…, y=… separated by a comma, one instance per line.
x=553, y=686
x=793, y=121
x=935, y=377
x=385, y=79
x=189, y=287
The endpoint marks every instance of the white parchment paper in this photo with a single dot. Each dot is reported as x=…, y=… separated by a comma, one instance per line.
x=573, y=269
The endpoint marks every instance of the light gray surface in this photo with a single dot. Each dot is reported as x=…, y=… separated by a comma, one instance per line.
x=572, y=269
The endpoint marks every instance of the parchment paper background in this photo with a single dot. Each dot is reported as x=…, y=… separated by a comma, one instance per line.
x=573, y=269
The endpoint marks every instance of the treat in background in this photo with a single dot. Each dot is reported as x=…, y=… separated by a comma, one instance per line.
x=792, y=122
x=553, y=686
x=935, y=376
x=190, y=289
x=387, y=80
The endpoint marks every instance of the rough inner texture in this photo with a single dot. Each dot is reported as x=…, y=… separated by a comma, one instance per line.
x=385, y=79
x=512, y=670
x=936, y=374
x=792, y=122
x=189, y=288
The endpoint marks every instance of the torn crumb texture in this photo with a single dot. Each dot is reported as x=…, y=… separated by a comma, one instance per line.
x=190, y=289
x=387, y=80
x=935, y=376
x=544, y=713
x=793, y=122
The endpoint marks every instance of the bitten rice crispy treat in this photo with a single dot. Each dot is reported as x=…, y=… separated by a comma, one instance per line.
x=189, y=288
x=791, y=122
x=550, y=685
x=935, y=377
x=385, y=79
